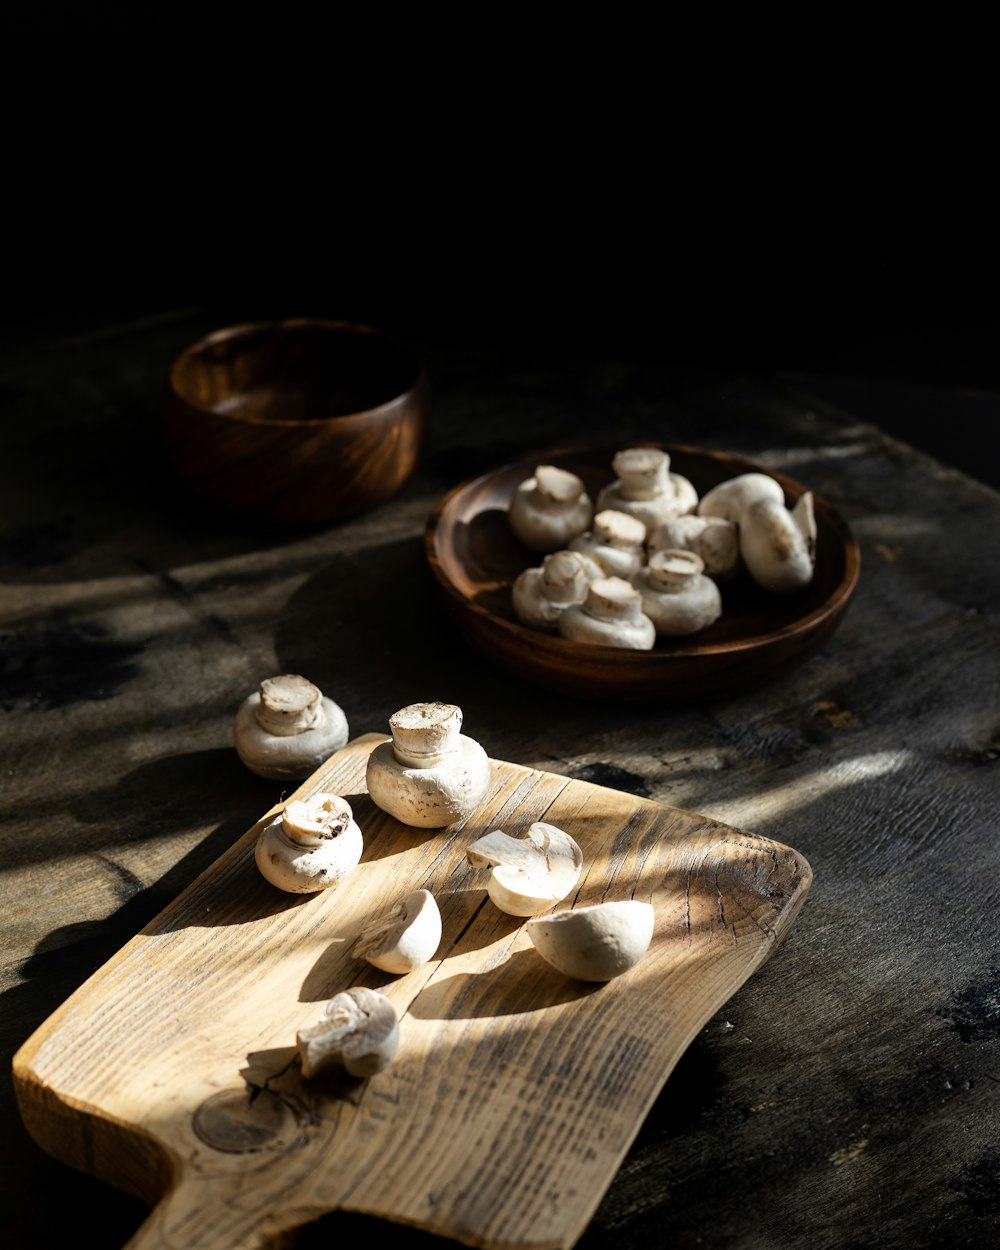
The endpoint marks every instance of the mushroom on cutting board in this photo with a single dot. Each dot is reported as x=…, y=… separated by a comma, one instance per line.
x=429, y=774
x=288, y=727
x=359, y=1030
x=407, y=938
x=312, y=845
x=594, y=943
x=530, y=874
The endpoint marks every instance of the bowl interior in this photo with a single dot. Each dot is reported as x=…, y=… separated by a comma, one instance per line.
x=294, y=371
x=476, y=556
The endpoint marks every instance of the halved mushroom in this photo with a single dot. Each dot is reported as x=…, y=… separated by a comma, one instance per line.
x=359, y=1030
x=594, y=943
x=530, y=874
x=407, y=938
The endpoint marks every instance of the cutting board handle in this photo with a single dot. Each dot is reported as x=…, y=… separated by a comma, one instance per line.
x=202, y=1215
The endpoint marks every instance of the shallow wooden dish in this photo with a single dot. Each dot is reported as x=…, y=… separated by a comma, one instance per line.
x=475, y=557
x=516, y=1091
x=301, y=420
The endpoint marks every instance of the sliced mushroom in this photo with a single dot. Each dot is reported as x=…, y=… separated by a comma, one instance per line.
x=407, y=938
x=288, y=727
x=594, y=943
x=778, y=544
x=359, y=1030
x=311, y=846
x=530, y=874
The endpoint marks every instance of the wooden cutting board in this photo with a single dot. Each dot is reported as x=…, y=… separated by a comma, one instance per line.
x=516, y=1091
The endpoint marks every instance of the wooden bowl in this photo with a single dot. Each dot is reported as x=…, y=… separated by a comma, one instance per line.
x=297, y=420
x=475, y=557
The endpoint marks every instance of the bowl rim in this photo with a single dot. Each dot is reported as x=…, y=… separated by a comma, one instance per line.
x=829, y=609
x=338, y=325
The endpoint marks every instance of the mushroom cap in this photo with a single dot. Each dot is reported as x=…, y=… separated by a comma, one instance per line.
x=549, y=509
x=359, y=1030
x=407, y=938
x=594, y=943
x=530, y=874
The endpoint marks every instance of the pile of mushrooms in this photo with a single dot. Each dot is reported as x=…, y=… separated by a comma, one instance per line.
x=647, y=557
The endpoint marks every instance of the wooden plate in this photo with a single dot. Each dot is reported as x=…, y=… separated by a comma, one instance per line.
x=516, y=1091
x=475, y=557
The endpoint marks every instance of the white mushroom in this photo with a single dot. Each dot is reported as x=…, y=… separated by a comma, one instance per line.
x=610, y=616
x=428, y=774
x=540, y=595
x=530, y=874
x=287, y=728
x=313, y=844
x=615, y=542
x=729, y=499
x=778, y=544
x=712, y=538
x=676, y=595
x=594, y=943
x=407, y=938
x=359, y=1030
x=645, y=487
x=547, y=510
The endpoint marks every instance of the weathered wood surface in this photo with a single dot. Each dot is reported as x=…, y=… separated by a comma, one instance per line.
x=516, y=1090
x=847, y=1095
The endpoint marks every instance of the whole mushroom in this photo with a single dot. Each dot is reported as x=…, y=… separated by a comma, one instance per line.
x=676, y=595
x=615, y=543
x=778, y=544
x=312, y=845
x=540, y=595
x=645, y=487
x=287, y=728
x=429, y=774
x=550, y=508
x=712, y=538
x=610, y=616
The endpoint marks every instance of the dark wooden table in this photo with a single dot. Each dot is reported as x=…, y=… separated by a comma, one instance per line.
x=848, y=1095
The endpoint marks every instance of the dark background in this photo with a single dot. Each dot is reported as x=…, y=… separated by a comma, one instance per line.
x=595, y=191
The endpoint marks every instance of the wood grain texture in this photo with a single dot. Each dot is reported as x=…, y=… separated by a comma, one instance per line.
x=302, y=420
x=516, y=1091
x=475, y=557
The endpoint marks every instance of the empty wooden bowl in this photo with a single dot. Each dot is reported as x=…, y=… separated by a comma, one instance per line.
x=300, y=420
x=475, y=557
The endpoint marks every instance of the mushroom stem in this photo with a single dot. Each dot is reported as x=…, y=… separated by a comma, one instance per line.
x=424, y=734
